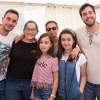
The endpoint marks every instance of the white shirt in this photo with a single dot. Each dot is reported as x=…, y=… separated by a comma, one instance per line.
x=5, y=46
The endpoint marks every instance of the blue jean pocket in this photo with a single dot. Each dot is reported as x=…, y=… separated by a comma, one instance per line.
x=42, y=93
x=74, y=93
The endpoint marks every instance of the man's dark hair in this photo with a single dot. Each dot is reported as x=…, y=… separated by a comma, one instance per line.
x=11, y=11
x=84, y=6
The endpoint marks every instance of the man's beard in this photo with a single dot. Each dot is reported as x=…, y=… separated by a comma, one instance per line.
x=90, y=25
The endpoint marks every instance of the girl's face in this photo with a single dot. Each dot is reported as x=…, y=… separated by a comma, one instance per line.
x=30, y=31
x=52, y=29
x=45, y=44
x=67, y=41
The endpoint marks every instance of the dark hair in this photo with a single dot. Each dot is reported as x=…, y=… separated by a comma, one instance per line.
x=51, y=22
x=31, y=21
x=60, y=48
x=11, y=11
x=84, y=6
x=51, y=50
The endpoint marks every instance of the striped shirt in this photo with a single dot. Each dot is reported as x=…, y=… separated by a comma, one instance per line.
x=44, y=68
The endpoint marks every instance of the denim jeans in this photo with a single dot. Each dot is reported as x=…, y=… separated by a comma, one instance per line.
x=2, y=92
x=17, y=89
x=92, y=91
x=42, y=93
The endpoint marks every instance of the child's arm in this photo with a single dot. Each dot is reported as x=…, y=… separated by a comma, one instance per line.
x=83, y=77
x=55, y=85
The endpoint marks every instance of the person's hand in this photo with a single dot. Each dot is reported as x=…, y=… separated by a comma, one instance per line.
x=81, y=90
x=74, y=53
x=18, y=38
x=51, y=98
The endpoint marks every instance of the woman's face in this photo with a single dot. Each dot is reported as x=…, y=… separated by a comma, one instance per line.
x=30, y=31
x=52, y=29
x=67, y=41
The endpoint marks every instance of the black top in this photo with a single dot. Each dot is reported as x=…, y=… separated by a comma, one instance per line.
x=22, y=60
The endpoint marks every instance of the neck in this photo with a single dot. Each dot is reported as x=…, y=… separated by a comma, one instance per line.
x=55, y=39
x=93, y=28
x=3, y=32
x=67, y=52
x=28, y=41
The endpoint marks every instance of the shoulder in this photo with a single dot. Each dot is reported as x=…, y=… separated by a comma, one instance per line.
x=80, y=29
x=82, y=56
x=82, y=59
x=12, y=34
x=53, y=59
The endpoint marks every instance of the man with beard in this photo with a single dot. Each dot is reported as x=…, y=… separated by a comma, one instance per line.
x=89, y=41
x=9, y=21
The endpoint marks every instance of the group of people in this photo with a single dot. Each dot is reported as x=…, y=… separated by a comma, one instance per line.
x=64, y=67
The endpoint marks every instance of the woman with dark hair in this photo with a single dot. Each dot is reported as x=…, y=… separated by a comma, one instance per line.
x=52, y=28
x=72, y=71
x=21, y=64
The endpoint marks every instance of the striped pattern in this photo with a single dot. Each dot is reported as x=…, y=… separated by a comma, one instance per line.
x=44, y=68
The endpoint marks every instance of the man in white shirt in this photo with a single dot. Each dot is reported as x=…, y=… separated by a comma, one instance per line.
x=9, y=21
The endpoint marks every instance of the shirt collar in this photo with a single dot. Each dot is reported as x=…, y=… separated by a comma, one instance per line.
x=95, y=33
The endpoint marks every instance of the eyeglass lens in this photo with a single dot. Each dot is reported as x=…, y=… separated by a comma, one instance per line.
x=32, y=29
x=53, y=28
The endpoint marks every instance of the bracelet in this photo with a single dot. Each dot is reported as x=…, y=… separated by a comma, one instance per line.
x=53, y=95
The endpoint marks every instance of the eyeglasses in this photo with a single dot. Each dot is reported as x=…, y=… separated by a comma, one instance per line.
x=90, y=39
x=53, y=28
x=32, y=29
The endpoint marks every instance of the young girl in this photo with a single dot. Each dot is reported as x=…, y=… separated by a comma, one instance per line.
x=72, y=72
x=21, y=65
x=45, y=74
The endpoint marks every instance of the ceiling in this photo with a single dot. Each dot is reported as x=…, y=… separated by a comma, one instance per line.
x=56, y=2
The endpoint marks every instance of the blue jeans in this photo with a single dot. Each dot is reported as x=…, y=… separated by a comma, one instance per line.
x=17, y=89
x=2, y=92
x=42, y=93
x=92, y=91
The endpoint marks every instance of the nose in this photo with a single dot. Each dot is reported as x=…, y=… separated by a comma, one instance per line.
x=10, y=22
x=88, y=15
x=42, y=44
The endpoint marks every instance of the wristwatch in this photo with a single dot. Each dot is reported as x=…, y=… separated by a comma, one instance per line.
x=53, y=95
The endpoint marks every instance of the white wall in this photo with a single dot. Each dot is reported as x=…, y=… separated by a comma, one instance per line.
x=65, y=16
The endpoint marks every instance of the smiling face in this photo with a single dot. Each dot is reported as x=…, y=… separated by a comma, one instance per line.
x=52, y=29
x=88, y=16
x=45, y=44
x=9, y=21
x=30, y=31
x=67, y=41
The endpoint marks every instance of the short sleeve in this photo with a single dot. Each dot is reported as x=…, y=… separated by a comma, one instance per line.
x=55, y=65
x=82, y=59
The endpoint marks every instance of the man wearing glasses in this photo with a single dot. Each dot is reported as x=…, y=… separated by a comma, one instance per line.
x=89, y=41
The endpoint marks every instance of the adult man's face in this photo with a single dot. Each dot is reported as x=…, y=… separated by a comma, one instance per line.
x=9, y=21
x=88, y=16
